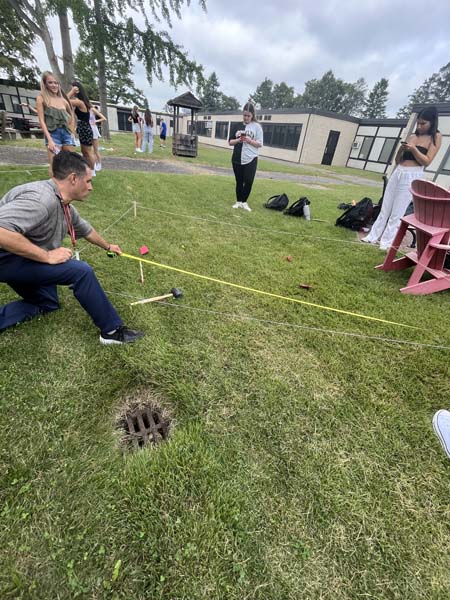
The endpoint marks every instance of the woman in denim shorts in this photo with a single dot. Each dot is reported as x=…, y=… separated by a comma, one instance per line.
x=136, y=119
x=55, y=117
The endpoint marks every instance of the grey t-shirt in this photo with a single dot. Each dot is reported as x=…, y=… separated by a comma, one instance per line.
x=35, y=211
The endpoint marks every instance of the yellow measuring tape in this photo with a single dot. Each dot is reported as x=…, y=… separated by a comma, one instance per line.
x=249, y=289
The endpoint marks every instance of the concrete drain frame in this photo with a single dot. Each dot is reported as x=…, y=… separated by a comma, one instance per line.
x=143, y=423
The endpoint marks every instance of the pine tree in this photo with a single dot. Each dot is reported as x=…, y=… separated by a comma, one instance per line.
x=375, y=106
x=264, y=94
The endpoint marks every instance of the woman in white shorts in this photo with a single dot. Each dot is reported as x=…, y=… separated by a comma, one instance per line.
x=95, y=116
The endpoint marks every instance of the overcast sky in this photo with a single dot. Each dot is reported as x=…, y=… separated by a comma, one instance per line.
x=294, y=41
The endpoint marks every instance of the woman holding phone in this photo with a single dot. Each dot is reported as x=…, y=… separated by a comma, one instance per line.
x=247, y=143
x=412, y=157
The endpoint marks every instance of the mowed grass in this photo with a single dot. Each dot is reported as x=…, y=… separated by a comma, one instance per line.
x=122, y=145
x=301, y=463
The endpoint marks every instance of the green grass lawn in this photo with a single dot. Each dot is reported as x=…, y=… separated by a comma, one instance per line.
x=122, y=144
x=301, y=463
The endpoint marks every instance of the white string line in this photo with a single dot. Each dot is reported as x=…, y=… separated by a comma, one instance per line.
x=287, y=324
x=86, y=247
x=358, y=242
x=29, y=171
x=302, y=235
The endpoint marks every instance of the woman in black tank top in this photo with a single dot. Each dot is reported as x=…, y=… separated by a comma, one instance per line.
x=136, y=119
x=413, y=156
x=81, y=104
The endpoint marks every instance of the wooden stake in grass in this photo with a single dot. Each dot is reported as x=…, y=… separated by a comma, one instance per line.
x=135, y=208
x=141, y=271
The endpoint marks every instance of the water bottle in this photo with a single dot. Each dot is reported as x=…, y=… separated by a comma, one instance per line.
x=307, y=212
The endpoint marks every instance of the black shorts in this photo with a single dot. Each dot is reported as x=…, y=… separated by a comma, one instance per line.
x=162, y=136
x=85, y=134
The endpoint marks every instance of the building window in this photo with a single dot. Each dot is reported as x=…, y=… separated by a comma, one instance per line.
x=365, y=148
x=282, y=135
x=267, y=117
x=204, y=128
x=2, y=103
x=16, y=108
x=222, y=130
x=122, y=120
x=387, y=150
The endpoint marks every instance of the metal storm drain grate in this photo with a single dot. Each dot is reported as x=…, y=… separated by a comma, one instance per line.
x=144, y=425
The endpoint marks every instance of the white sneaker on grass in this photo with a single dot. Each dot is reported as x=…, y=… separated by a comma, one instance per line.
x=246, y=207
x=237, y=205
x=441, y=426
x=98, y=166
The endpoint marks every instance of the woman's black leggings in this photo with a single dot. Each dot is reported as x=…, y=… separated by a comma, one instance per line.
x=244, y=174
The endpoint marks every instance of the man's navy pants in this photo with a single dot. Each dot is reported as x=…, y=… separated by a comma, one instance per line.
x=36, y=283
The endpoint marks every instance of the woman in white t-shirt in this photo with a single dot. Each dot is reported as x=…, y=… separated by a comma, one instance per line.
x=247, y=143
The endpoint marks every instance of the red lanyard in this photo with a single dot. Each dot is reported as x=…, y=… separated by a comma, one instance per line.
x=66, y=209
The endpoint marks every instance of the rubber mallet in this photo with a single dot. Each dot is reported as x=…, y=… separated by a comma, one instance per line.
x=174, y=293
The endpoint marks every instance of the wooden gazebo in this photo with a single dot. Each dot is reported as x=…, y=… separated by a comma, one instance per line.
x=185, y=144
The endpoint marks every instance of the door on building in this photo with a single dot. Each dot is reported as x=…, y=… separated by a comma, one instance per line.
x=330, y=148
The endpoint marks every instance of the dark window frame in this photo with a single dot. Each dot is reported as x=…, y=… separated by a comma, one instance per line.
x=221, y=130
x=366, y=157
x=282, y=135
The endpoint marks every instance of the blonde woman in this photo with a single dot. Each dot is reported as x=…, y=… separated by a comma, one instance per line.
x=136, y=119
x=55, y=116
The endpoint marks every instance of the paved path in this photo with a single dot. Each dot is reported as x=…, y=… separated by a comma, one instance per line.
x=13, y=155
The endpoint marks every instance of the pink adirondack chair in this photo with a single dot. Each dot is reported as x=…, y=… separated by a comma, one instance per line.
x=431, y=219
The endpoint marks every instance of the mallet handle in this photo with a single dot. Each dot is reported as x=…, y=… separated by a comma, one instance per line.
x=156, y=299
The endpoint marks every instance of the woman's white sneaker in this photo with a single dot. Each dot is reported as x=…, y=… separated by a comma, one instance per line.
x=237, y=205
x=246, y=207
x=441, y=426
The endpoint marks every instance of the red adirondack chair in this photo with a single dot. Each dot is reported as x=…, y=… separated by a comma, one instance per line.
x=431, y=219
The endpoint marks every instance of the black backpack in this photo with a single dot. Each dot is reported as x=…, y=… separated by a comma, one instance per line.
x=296, y=209
x=357, y=216
x=277, y=202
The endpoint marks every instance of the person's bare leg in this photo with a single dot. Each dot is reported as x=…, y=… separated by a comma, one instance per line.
x=88, y=154
x=98, y=158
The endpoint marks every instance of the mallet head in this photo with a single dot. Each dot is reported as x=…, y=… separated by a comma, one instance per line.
x=176, y=292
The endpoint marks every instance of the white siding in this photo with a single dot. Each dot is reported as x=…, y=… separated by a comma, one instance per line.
x=376, y=148
x=377, y=167
x=356, y=164
x=389, y=131
x=366, y=130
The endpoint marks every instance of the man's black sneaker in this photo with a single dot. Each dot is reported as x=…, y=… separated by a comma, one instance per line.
x=122, y=335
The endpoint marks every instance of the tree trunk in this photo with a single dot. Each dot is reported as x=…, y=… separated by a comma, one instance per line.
x=68, y=75
x=101, y=62
x=48, y=41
